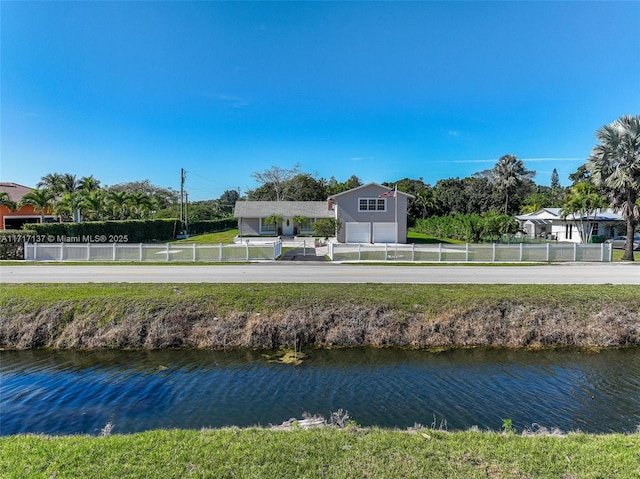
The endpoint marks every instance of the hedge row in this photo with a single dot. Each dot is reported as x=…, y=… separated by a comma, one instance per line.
x=212, y=226
x=127, y=231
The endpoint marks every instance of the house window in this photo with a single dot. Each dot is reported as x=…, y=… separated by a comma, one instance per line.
x=568, y=231
x=372, y=204
x=267, y=227
x=306, y=225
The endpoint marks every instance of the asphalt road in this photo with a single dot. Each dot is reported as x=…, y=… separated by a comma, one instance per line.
x=293, y=272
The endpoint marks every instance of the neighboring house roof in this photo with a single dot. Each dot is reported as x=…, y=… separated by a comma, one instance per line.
x=262, y=209
x=546, y=215
x=385, y=188
x=14, y=190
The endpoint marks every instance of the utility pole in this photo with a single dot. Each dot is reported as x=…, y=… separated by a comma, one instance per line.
x=183, y=176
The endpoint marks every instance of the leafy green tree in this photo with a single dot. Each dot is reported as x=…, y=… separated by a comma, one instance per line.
x=6, y=201
x=582, y=203
x=509, y=173
x=277, y=179
x=227, y=201
x=334, y=186
x=615, y=165
x=41, y=200
x=326, y=227
x=304, y=187
x=52, y=182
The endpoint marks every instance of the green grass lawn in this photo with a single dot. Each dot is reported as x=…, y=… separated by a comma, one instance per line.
x=320, y=453
x=223, y=237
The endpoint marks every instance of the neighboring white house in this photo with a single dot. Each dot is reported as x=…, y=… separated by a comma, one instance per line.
x=549, y=223
x=369, y=213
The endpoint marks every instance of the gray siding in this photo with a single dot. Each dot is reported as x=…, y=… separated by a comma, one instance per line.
x=347, y=207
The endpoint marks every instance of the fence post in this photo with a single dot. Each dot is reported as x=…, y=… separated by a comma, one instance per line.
x=88, y=250
x=304, y=247
x=494, y=252
x=194, y=253
x=386, y=252
x=521, y=251
x=359, y=245
x=62, y=251
x=168, y=253
x=141, y=252
x=247, y=252
x=575, y=252
x=413, y=252
x=35, y=251
x=114, y=251
x=220, y=252
x=466, y=253
x=548, y=248
x=439, y=252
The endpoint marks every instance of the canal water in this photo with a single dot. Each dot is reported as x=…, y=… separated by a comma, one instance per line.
x=71, y=392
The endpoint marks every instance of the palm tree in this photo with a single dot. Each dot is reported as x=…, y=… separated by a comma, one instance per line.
x=615, y=166
x=52, y=182
x=41, y=200
x=5, y=200
x=68, y=204
x=139, y=203
x=508, y=173
x=89, y=183
x=276, y=220
x=297, y=223
x=582, y=202
x=117, y=201
x=93, y=205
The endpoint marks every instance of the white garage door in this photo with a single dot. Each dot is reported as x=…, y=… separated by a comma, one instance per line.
x=384, y=233
x=358, y=232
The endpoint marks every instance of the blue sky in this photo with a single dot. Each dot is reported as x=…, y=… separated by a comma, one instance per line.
x=137, y=90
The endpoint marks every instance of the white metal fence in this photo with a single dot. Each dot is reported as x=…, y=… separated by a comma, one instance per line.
x=483, y=253
x=151, y=252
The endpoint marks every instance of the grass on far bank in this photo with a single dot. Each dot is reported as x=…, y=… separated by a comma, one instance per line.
x=320, y=453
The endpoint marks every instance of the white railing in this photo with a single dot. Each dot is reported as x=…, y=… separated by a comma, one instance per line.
x=151, y=252
x=480, y=253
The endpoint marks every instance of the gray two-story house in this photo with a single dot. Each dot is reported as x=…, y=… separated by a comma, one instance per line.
x=370, y=213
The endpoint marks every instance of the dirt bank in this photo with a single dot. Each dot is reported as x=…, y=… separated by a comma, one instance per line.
x=139, y=324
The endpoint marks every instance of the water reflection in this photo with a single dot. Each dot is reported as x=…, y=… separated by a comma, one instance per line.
x=62, y=392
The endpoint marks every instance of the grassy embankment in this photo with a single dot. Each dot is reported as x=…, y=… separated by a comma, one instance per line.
x=321, y=453
x=139, y=316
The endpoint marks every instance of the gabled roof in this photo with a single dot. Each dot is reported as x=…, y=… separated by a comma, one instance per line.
x=262, y=209
x=384, y=188
x=14, y=190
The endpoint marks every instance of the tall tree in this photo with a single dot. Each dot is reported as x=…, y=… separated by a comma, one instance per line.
x=41, y=200
x=508, y=173
x=277, y=178
x=89, y=183
x=615, y=165
x=93, y=205
x=117, y=202
x=227, y=201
